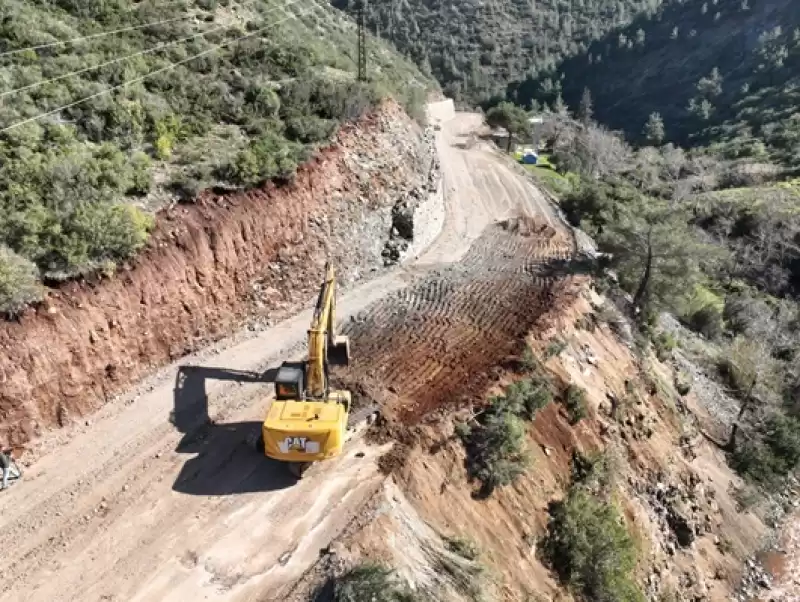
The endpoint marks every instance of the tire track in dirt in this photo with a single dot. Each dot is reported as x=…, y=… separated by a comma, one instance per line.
x=434, y=343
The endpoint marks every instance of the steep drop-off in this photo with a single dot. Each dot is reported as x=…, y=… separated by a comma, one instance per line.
x=671, y=485
x=209, y=266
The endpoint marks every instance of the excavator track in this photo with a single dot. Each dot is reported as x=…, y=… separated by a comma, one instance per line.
x=427, y=343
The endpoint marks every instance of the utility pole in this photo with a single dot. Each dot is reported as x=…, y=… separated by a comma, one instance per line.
x=361, y=19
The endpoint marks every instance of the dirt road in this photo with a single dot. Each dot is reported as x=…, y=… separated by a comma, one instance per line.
x=148, y=502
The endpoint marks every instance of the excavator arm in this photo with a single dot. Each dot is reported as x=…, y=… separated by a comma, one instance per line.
x=324, y=347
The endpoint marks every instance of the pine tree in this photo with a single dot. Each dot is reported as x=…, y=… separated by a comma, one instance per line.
x=654, y=129
x=559, y=107
x=585, y=110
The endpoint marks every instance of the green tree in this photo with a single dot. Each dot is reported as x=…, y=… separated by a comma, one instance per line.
x=710, y=86
x=585, y=110
x=560, y=107
x=752, y=372
x=701, y=108
x=511, y=117
x=590, y=548
x=656, y=253
x=654, y=129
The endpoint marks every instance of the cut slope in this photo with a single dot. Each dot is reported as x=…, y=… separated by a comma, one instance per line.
x=210, y=265
x=434, y=342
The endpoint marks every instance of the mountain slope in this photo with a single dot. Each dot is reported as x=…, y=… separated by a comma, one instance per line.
x=231, y=93
x=717, y=73
x=475, y=48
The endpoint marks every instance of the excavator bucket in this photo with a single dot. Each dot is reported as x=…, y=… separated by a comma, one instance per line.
x=339, y=351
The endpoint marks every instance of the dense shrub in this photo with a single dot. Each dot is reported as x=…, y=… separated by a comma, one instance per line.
x=707, y=321
x=526, y=397
x=496, y=450
x=742, y=312
x=590, y=548
x=664, y=344
x=19, y=282
x=371, y=582
x=771, y=457
x=268, y=157
x=555, y=348
x=96, y=233
x=683, y=384
x=575, y=403
x=309, y=129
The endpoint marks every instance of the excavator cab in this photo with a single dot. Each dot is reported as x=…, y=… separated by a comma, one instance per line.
x=307, y=422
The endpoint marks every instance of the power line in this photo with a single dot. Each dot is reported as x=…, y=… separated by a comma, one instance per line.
x=130, y=56
x=146, y=75
x=93, y=36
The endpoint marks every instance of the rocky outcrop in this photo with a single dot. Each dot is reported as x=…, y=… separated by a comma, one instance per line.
x=210, y=266
x=417, y=216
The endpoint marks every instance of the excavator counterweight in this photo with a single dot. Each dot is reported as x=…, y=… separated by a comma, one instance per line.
x=307, y=422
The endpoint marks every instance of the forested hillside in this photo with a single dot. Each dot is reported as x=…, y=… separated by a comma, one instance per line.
x=717, y=72
x=96, y=133
x=475, y=48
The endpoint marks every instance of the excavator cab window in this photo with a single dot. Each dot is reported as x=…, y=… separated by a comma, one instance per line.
x=289, y=382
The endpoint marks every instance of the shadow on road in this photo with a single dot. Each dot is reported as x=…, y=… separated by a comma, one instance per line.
x=226, y=462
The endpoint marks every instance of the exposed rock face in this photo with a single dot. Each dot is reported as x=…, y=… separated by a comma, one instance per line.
x=412, y=215
x=209, y=266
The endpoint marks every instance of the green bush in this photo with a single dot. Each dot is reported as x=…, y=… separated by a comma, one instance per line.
x=742, y=312
x=529, y=362
x=310, y=129
x=707, y=321
x=768, y=460
x=526, y=397
x=683, y=384
x=664, y=343
x=369, y=583
x=590, y=548
x=19, y=282
x=271, y=156
x=496, y=450
x=575, y=403
x=141, y=178
x=96, y=233
x=554, y=348
x=592, y=470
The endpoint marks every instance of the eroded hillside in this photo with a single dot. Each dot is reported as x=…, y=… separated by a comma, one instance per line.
x=639, y=449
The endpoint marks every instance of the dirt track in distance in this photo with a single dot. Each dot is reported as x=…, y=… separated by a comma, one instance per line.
x=130, y=508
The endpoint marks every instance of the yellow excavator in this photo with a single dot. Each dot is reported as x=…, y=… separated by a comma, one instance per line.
x=307, y=421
